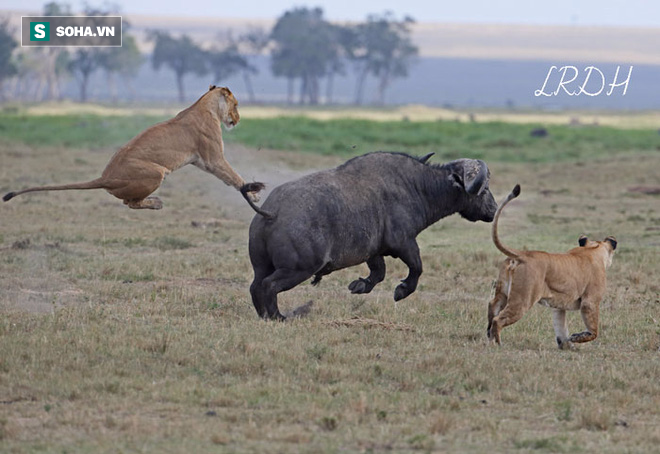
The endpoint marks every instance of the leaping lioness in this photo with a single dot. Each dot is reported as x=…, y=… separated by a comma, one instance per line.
x=194, y=136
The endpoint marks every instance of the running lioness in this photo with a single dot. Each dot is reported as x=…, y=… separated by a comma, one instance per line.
x=194, y=137
x=574, y=280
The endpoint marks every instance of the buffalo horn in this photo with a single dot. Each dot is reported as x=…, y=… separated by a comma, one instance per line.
x=475, y=176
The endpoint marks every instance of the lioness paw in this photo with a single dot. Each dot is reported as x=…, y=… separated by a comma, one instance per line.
x=565, y=344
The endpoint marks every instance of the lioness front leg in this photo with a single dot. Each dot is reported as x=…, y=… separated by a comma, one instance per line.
x=589, y=312
x=223, y=171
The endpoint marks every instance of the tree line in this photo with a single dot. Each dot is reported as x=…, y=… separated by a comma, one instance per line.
x=36, y=74
x=304, y=48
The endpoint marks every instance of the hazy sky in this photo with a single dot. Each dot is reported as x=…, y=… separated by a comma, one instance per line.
x=564, y=12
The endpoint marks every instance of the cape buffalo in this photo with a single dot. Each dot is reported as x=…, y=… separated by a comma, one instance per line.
x=372, y=206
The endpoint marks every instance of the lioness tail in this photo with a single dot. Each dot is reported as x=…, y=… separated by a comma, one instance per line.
x=94, y=184
x=498, y=244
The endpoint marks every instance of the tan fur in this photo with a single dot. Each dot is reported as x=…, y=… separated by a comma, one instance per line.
x=194, y=136
x=574, y=280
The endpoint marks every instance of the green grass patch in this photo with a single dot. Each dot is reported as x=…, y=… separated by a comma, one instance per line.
x=78, y=131
x=494, y=141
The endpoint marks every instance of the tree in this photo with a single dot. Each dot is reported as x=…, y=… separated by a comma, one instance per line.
x=7, y=46
x=304, y=49
x=124, y=61
x=344, y=40
x=225, y=59
x=384, y=49
x=253, y=43
x=84, y=62
x=181, y=55
x=55, y=60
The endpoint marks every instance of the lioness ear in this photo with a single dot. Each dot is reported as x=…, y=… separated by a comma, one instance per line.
x=211, y=87
x=582, y=240
x=612, y=241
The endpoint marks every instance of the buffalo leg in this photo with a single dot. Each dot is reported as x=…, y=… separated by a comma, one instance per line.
x=256, y=292
x=280, y=281
x=376, y=266
x=409, y=254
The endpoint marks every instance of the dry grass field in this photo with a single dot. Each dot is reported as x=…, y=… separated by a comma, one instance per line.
x=133, y=331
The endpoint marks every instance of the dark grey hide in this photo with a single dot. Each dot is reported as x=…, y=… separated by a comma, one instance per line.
x=372, y=206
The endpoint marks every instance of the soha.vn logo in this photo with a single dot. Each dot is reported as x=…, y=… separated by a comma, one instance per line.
x=39, y=31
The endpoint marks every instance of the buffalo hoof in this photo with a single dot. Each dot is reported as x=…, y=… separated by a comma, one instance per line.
x=401, y=291
x=361, y=286
x=275, y=317
x=316, y=280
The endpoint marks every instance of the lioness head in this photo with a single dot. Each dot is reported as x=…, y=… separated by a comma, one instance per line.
x=228, y=107
x=608, y=245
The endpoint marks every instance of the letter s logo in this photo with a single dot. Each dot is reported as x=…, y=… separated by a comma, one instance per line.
x=40, y=31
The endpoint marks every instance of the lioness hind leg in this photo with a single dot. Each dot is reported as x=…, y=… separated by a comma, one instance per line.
x=494, y=308
x=150, y=203
x=133, y=191
x=505, y=318
x=589, y=314
x=518, y=302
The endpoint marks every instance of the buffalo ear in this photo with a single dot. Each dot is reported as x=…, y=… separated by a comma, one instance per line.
x=612, y=241
x=457, y=180
x=582, y=240
x=425, y=158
